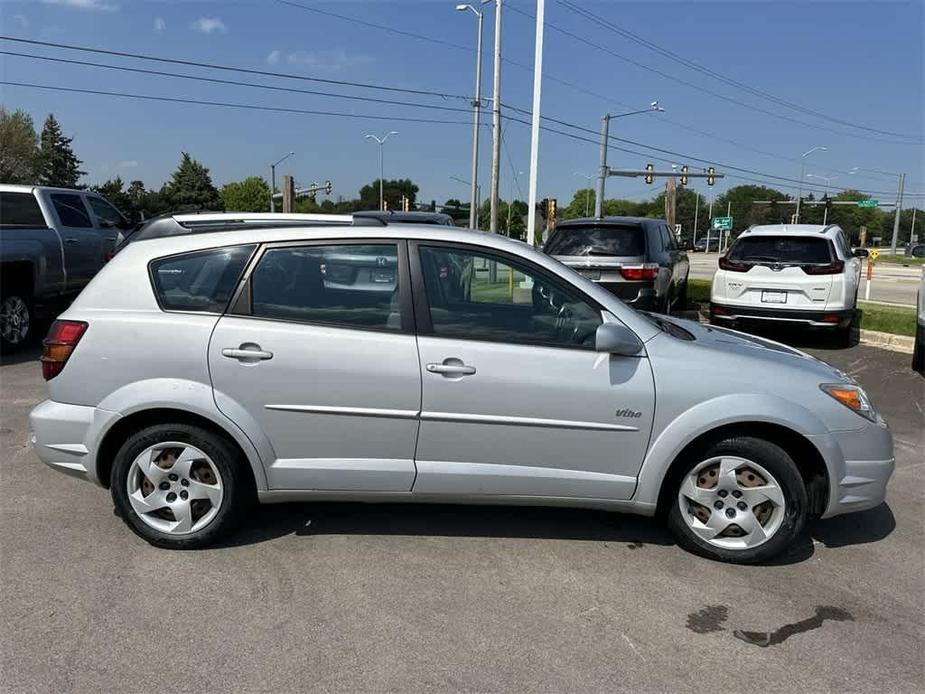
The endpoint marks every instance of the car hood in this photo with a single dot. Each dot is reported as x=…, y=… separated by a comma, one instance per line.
x=724, y=341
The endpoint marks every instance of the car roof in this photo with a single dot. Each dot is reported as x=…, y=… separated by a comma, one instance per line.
x=393, y=216
x=25, y=188
x=605, y=221
x=824, y=231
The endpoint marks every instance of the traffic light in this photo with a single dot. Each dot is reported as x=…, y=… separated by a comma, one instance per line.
x=328, y=187
x=649, y=176
x=544, y=208
x=551, y=208
x=684, y=175
x=711, y=178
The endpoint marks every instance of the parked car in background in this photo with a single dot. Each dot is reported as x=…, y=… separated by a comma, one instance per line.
x=795, y=273
x=399, y=217
x=917, y=251
x=432, y=379
x=636, y=258
x=700, y=246
x=918, y=350
x=52, y=242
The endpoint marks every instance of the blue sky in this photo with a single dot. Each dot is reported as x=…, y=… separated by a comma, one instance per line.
x=861, y=62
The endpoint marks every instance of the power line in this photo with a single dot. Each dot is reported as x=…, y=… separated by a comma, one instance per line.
x=251, y=71
x=688, y=63
x=234, y=83
x=226, y=104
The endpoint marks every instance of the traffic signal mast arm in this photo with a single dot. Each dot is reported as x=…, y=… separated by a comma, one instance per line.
x=633, y=173
x=820, y=201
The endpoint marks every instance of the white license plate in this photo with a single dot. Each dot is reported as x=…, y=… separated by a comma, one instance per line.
x=774, y=297
x=591, y=274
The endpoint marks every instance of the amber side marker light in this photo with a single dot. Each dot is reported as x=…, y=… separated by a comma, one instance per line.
x=851, y=397
x=63, y=336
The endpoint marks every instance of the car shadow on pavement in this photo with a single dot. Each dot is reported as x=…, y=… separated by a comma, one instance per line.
x=799, y=337
x=30, y=352
x=855, y=528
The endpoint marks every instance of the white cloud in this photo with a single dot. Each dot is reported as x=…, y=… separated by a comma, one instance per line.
x=209, y=25
x=273, y=57
x=326, y=61
x=22, y=19
x=159, y=25
x=98, y=5
x=128, y=164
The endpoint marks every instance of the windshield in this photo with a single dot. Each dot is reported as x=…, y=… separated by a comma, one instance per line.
x=612, y=239
x=781, y=249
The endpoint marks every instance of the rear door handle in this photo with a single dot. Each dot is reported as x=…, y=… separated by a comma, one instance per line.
x=451, y=369
x=71, y=239
x=247, y=353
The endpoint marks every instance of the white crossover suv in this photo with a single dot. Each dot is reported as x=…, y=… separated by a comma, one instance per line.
x=798, y=273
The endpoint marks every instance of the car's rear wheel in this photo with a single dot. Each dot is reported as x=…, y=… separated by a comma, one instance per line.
x=741, y=501
x=16, y=320
x=177, y=486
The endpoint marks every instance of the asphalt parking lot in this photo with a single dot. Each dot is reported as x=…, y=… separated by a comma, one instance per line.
x=348, y=597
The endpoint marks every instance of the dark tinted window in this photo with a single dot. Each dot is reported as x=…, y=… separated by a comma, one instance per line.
x=350, y=285
x=668, y=239
x=201, y=281
x=20, y=210
x=610, y=239
x=781, y=249
x=70, y=209
x=476, y=296
x=106, y=213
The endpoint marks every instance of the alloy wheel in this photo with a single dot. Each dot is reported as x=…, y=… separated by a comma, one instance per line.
x=175, y=488
x=14, y=320
x=732, y=503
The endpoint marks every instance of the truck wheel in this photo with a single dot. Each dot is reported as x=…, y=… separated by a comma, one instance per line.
x=918, y=352
x=16, y=320
x=741, y=501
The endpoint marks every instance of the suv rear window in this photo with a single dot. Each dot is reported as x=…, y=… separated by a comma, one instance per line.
x=782, y=249
x=201, y=281
x=610, y=239
x=20, y=210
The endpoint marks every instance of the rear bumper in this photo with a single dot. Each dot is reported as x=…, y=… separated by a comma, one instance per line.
x=65, y=436
x=639, y=295
x=840, y=318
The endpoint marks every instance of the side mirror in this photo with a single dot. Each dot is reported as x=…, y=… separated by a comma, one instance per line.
x=616, y=338
x=861, y=252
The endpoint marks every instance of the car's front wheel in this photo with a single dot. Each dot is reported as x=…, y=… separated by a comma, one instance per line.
x=177, y=486
x=742, y=501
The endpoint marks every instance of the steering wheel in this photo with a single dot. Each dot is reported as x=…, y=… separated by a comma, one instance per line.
x=566, y=326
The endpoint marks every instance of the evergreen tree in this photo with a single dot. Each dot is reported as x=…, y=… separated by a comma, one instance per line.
x=190, y=188
x=59, y=165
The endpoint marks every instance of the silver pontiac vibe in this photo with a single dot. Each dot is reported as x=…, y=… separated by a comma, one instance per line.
x=425, y=363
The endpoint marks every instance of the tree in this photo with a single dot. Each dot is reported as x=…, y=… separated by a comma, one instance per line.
x=112, y=191
x=250, y=195
x=392, y=192
x=581, y=205
x=19, y=150
x=59, y=165
x=745, y=213
x=190, y=188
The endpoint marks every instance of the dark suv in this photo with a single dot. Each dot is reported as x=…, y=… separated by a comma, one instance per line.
x=637, y=259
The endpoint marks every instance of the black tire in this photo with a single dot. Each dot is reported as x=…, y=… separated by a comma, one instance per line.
x=918, y=351
x=227, y=460
x=776, y=461
x=842, y=337
x=681, y=303
x=11, y=337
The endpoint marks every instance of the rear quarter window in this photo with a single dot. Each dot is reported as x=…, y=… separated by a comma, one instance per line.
x=20, y=210
x=202, y=281
x=610, y=239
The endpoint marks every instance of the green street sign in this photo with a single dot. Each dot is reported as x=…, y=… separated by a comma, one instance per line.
x=868, y=203
x=722, y=224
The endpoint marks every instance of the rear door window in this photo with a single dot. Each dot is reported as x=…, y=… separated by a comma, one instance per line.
x=20, y=210
x=71, y=210
x=202, y=281
x=781, y=249
x=609, y=239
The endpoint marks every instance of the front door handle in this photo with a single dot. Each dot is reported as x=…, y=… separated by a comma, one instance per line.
x=71, y=239
x=248, y=352
x=451, y=369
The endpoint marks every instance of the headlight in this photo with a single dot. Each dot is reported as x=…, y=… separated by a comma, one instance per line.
x=851, y=396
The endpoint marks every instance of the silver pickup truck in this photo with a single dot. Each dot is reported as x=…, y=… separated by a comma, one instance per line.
x=52, y=242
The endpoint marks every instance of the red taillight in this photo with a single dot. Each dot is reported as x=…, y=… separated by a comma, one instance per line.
x=63, y=337
x=726, y=264
x=835, y=268
x=718, y=310
x=639, y=273
x=831, y=318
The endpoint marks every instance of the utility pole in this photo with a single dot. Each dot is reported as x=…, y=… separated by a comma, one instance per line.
x=602, y=175
x=725, y=234
x=899, y=209
x=696, y=211
x=496, y=123
x=477, y=110
x=273, y=180
x=535, y=124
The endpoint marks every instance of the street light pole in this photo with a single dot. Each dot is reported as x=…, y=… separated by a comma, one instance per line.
x=587, y=190
x=273, y=180
x=496, y=124
x=535, y=120
x=803, y=175
x=381, y=141
x=477, y=110
x=828, y=181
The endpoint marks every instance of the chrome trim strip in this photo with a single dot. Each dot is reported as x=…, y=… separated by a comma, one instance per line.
x=523, y=421
x=805, y=321
x=351, y=411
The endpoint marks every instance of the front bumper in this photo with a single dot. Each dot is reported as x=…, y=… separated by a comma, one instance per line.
x=65, y=437
x=818, y=319
x=860, y=464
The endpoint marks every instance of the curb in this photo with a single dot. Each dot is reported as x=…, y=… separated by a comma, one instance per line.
x=894, y=343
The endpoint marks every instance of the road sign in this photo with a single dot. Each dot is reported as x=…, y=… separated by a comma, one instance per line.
x=722, y=224
x=874, y=254
x=868, y=203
